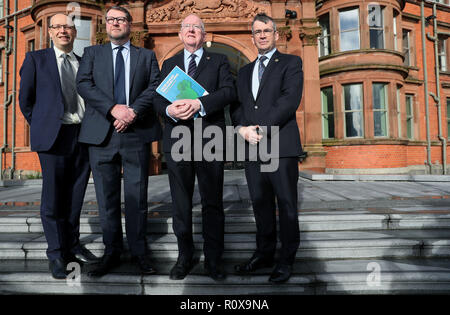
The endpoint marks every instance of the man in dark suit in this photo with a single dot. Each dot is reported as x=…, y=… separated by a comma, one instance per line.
x=117, y=81
x=212, y=71
x=269, y=92
x=53, y=109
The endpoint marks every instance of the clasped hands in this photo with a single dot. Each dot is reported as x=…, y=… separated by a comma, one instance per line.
x=124, y=116
x=250, y=134
x=184, y=109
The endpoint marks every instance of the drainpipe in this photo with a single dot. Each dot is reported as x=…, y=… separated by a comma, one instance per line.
x=7, y=98
x=425, y=80
x=437, y=96
x=14, y=96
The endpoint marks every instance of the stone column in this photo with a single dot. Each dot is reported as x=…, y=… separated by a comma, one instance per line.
x=311, y=124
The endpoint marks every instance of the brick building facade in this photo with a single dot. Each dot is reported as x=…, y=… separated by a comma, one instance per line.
x=364, y=108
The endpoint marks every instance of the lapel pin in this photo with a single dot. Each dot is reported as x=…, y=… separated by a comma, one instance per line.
x=208, y=57
x=276, y=60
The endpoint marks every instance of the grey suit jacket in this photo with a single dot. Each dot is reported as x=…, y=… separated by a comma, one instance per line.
x=95, y=83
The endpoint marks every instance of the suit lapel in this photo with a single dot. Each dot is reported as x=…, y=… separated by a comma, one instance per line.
x=267, y=72
x=53, y=67
x=107, y=63
x=134, y=57
x=249, y=79
x=202, y=64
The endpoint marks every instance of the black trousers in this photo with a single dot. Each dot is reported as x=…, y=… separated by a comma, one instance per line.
x=210, y=183
x=65, y=174
x=265, y=188
x=127, y=152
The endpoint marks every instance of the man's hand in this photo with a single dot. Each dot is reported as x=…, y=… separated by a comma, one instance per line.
x=250, y=134
x=184, y=109
x=123, y=113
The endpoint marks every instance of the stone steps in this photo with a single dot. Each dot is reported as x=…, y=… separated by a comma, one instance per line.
x=31, y=223
x=238, y=246
x=339, y=252
x=325, y=277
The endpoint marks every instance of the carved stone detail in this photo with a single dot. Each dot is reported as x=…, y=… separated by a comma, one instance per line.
x=215, y=10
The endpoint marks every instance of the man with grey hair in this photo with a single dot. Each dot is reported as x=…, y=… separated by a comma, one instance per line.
x=269, y=92
x=212, y=71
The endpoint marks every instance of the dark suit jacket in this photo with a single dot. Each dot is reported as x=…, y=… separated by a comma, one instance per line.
x=213, y=73
x=276, y=103
x=40, y=97
x=95, y=81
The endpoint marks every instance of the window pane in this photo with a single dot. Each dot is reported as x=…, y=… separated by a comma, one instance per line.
x=324, y=38
x=350, y=40
x=376, y=39
x=327, y=112
x=406, y=47
x=83, y=35
x=349, y=20
x=353, y=97
x=328, y=126
x=353, y=124
x=379, y=96
x=379, y=119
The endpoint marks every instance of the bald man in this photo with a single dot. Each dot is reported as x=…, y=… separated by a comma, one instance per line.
x=53, y=109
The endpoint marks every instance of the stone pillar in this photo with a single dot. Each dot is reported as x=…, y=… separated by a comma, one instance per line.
x=311, y=124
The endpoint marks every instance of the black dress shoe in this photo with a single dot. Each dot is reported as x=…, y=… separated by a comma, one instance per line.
x=144, y=265
x=107, y=263
x=57, y=268
x=84, y=256
x=253, y=264
x=281, y=273
x=181, y=268
x=215, y=271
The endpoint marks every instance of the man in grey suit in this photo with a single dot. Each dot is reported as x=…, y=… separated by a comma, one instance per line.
x=117, y=81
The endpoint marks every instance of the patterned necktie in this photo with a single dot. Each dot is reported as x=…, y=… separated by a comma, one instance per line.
x=119, y=78
x=262, y=67
x=192, y=66
x=68, y=86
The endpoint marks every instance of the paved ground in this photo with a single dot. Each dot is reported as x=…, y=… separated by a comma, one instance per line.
x=432, y=195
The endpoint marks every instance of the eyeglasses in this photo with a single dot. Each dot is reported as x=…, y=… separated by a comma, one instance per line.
x=195, y=26
x=120, y=20
x=65, y=27
x=266, y=32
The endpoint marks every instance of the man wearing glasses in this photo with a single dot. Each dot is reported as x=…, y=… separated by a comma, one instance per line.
x=53, y=109
x=269, y=92
x=212, y=71
x=117, y=81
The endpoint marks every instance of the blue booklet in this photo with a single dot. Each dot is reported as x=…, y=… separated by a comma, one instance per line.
x=179, y=86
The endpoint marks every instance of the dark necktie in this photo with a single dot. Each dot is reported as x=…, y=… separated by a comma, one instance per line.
x=68, y=86
x=262, y=67
x=119, y=78
x=192, y=66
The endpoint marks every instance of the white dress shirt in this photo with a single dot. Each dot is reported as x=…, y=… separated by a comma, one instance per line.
x=70, y=118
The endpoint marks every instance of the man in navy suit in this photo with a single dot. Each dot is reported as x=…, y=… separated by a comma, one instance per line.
x=53, y=109
x=117, y=81
x=269, y=92
x=212, y=71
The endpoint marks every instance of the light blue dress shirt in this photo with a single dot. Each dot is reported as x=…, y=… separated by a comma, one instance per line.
x=126, y=59
x=255, y=80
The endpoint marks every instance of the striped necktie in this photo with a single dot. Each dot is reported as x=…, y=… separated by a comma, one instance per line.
x=192, y=66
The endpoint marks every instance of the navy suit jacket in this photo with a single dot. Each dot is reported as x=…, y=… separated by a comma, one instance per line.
x=278, y=98
x=40, y=97
x=213, y=73
x=95, y=83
